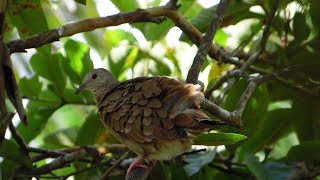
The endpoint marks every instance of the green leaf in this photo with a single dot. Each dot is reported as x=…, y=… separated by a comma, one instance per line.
x=255, y=110
x=61, y=138
x=71, y=115
x=161, y=68
x=301, y=30
x=49, y=67
x=78, y=61
x=120, y=62
x=216, y=70
x=154, y=32
x=196, y=161
x=236, y=12
x=30, y=87
x=283, y=146
x=154, y=3
x=305, y=113
x=170, y=54
x=90, y=130
x=271, y=170
x=307, y=151
x=315, y=13
x=250, y=28
x=279, y=91
x=189, y=8
x=24, y=14
x=95, y=173
x=221, y=38
x=269, y=130
x=256, y=167
x=114, y=37
x=38, y=114
x=10, y=150
x=177, y=172
x=96, y=42
x=279, y=171
x=217, y=139
x=126, y=5
x=132, y=59
x=7, y=168
x=84, y=97
x=303, y=56
x=84, y=2
x=51, y=15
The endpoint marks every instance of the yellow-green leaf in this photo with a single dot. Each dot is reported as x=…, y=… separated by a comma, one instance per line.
x=217, y=139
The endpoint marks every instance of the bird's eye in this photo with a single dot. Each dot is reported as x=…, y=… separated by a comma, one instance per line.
x=94, y=76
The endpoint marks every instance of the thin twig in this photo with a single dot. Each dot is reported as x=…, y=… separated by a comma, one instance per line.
x=104, y=163
x=206, y=42
x=46, y=153
x=286, y=70
x=61, y=161
x=221, y=113
x=231, y=171
x=253, y=84
x=195, y=151
x=235, y=73
x=4, y=122
x=3, y=9
x=107, y=173
x=256, y=81
x=264, y=38
x=18, y=139
x=180, y=21
x=4, y=115
x=245, y=98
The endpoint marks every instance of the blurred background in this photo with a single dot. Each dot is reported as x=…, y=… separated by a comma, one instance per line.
x=282, y=123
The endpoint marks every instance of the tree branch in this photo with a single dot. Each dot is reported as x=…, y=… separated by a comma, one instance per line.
x=245, y=98
x=221, y=80
x=107, y=173
x=46, y=153
x=253, y=84
x=50, y=36
x=61, y=161
x=206, y=42
x=94, y=166
x=4, y=116
x=90, y=24
x=221, y=113
x=18, y=139
x=231, y=171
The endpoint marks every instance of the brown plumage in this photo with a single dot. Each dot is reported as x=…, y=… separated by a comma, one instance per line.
x=156, y=117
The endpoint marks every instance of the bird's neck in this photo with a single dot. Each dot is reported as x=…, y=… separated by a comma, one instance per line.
x=100, y=91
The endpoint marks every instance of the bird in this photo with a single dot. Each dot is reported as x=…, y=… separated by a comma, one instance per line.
x=155, y=117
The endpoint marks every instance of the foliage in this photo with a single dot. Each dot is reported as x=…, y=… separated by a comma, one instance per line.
x=280, y=133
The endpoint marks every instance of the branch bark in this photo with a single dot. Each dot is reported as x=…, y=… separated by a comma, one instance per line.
x=206, y=42
x=107, y=173
x=56, y=164
x=180, y=21
x=4, y=120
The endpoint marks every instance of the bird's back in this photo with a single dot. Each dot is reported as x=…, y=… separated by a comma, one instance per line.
x=156, y=117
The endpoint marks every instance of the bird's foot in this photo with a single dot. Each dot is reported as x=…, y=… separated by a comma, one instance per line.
x=139, y=168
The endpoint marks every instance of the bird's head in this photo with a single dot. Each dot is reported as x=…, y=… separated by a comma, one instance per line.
x=96, y=79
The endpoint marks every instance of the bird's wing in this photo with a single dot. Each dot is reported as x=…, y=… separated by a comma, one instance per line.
x=149, y=109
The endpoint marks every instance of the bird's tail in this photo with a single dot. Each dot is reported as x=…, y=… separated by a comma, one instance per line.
x=196, y=122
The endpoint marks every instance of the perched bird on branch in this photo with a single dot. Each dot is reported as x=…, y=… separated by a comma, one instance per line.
x=155, y=117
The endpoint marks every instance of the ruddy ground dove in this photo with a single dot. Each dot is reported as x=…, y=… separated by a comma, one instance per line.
x=155, y=117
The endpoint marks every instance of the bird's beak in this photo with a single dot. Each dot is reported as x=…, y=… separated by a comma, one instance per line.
x=80, y=88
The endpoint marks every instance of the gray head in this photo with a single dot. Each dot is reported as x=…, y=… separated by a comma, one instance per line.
x=97, y=79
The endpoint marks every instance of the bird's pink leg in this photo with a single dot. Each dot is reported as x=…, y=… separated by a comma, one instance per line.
x=140, y=163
